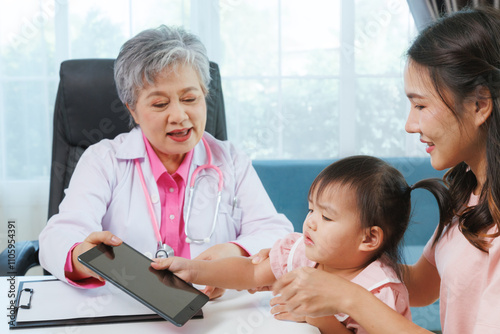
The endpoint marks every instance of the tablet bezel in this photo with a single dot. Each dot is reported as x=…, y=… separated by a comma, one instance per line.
x=180, y=318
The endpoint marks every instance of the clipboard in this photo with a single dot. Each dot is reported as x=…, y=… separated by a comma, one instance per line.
x=46, y=303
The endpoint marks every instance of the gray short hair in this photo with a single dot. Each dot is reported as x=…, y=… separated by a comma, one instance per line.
x=147, y=54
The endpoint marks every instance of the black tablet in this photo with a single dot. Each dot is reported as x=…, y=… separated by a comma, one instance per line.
x=160, y=290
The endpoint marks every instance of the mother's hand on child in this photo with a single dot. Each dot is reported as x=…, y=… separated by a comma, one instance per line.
x=311, y=292
x=95, y=238
x=279, y=311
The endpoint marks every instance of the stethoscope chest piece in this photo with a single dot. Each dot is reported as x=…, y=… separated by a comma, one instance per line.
x=164, y=251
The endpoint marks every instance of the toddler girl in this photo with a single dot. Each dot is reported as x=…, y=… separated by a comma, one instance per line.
x=359, y=209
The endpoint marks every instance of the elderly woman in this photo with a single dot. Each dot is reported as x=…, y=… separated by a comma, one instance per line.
x=137, y=187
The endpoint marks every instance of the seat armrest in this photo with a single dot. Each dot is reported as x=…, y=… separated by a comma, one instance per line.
x=20, y=258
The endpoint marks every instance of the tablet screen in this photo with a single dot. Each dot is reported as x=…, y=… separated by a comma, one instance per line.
x=163, y=292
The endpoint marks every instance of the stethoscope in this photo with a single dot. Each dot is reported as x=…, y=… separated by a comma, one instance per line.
x=164, y=250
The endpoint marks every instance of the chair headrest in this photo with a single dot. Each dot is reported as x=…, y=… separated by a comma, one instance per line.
x=88, y=102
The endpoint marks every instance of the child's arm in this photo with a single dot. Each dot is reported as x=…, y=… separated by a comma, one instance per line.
x=230, y=273
x=328, y=325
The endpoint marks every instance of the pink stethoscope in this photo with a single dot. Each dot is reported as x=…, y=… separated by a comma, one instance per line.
x=164, y=250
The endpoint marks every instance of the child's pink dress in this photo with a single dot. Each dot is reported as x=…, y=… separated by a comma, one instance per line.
x=378, y=277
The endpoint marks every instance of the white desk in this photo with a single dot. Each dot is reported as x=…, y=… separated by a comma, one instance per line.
x=235, y=312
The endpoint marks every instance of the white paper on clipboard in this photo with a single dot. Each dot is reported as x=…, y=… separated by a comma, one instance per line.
x=56, y=300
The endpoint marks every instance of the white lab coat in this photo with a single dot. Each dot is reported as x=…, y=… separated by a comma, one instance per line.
x=105, y=193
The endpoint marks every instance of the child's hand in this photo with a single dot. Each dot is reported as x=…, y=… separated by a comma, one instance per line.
x=181, y=267
x=213, y=292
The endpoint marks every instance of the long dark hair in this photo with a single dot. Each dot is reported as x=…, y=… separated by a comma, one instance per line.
x=462, y=55
x=383, y=198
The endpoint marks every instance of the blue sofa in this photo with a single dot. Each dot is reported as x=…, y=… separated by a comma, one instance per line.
x=287, y=183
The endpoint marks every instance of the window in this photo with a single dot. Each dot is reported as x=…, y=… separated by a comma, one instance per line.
x=317, y=79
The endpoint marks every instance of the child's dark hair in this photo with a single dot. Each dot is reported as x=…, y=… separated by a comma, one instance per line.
x=383, y=198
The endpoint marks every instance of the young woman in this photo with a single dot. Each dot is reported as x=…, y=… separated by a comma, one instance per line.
x=359, y=208
x=452, y=80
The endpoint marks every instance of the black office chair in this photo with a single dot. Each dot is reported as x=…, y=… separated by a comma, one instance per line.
x=87, y=110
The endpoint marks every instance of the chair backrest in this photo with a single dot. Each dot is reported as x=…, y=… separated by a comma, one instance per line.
x=88, y=109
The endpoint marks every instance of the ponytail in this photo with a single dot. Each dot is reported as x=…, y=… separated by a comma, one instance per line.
x=444, y=201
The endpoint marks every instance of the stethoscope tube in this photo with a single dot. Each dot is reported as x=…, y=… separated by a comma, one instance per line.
x=162, y=250
x=214, y=222
x=192, y=185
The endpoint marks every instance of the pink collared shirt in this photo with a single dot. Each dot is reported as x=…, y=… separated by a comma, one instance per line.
x=172, y=189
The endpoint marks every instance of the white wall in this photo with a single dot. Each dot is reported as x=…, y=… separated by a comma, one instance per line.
x=26, y=203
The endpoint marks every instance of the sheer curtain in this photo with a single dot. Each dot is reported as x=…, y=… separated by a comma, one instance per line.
x=426, y=11
x=302, y=80
x=439, y=8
